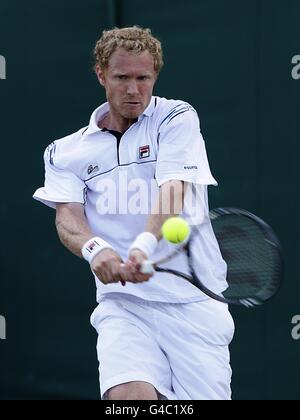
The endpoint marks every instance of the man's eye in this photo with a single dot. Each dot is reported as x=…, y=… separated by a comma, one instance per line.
x=121, y=77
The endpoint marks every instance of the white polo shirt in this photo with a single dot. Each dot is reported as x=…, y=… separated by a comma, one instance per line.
x=118, y=182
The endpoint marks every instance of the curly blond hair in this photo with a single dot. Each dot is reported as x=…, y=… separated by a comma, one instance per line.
x=134, y=39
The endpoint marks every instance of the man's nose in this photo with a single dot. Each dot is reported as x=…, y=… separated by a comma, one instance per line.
x=132, y=88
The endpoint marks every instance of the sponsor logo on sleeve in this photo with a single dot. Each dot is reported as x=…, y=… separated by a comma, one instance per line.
x=190, y=167
x=92, y=169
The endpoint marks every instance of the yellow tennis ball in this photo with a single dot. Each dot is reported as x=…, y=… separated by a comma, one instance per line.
x=175, y=230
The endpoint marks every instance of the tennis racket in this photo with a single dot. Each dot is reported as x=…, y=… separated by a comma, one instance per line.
x=251, y=250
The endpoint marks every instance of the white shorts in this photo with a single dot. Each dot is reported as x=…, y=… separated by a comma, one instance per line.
x=179, y=348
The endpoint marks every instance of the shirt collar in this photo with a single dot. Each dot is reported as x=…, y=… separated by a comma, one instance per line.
x=99, y=113
x=150, y=108
x=96, y=117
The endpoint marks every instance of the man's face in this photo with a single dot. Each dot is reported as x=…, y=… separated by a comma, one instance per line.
x=128, y=80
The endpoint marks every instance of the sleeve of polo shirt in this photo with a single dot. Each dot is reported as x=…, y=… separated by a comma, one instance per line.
x=61, y=186
x=182, y=154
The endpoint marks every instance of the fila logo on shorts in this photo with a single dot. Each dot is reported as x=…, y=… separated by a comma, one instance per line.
x=144, y=152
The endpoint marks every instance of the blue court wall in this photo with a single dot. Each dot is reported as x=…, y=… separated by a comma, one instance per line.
x=236, y=63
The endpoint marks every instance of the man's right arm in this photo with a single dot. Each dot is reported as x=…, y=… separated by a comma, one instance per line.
x=74, y=231
x=72, y=226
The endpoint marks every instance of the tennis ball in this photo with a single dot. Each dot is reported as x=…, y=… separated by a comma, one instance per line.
x=175, y=230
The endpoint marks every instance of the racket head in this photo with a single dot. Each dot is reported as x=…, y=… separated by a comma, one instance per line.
x=253, y=254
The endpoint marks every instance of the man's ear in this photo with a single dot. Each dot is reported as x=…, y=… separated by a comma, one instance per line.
x=100, y=75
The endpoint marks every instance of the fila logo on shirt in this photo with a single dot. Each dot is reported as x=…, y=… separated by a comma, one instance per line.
x=144, y=152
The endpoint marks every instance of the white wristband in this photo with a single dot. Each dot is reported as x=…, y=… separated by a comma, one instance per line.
x=92, y=248
x=145, y=242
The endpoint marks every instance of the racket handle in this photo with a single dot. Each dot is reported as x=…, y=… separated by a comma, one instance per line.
x=147, y=267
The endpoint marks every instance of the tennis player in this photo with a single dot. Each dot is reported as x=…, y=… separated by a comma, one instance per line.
x=113, y=183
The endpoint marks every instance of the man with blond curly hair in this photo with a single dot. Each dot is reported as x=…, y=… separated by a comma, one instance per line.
x=159, y=336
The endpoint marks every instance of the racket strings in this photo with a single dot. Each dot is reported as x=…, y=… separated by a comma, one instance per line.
x=252, y=261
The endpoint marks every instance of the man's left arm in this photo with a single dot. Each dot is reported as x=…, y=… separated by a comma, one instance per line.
x=169, y=203
x=181, y=161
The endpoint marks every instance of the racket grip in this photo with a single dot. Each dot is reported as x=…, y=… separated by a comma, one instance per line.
x=147, y=267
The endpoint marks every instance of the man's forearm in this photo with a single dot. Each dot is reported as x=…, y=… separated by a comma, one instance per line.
x=170, y=203
x=73, y=230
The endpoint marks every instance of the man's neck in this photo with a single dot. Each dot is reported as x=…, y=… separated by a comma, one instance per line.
x=116, y=124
